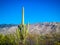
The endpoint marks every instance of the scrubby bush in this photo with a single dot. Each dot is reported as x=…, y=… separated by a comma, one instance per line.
x=47, y=39
x=9, y=39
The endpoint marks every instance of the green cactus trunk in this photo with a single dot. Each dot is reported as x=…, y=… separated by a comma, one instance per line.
x=23, y=29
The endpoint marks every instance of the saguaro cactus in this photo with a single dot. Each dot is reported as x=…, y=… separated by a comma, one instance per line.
x=23, y=16
x=23, y=29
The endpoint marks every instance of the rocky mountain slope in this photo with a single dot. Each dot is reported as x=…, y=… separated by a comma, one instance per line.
x=8, y=28
x=37, y=28
x=45, y=28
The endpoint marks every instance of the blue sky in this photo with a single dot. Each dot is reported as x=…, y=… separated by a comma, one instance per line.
x=35, y=11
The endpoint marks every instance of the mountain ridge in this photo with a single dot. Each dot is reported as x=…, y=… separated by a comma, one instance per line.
x=36, y=28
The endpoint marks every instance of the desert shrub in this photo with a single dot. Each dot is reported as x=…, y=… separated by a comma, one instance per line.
x=47, y=39
x=9, y=39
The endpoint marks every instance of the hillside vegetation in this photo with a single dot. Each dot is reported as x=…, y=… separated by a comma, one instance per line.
x=24, y=36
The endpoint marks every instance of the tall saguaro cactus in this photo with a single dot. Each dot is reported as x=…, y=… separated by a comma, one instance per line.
x=23, y=29
x=23, y=16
